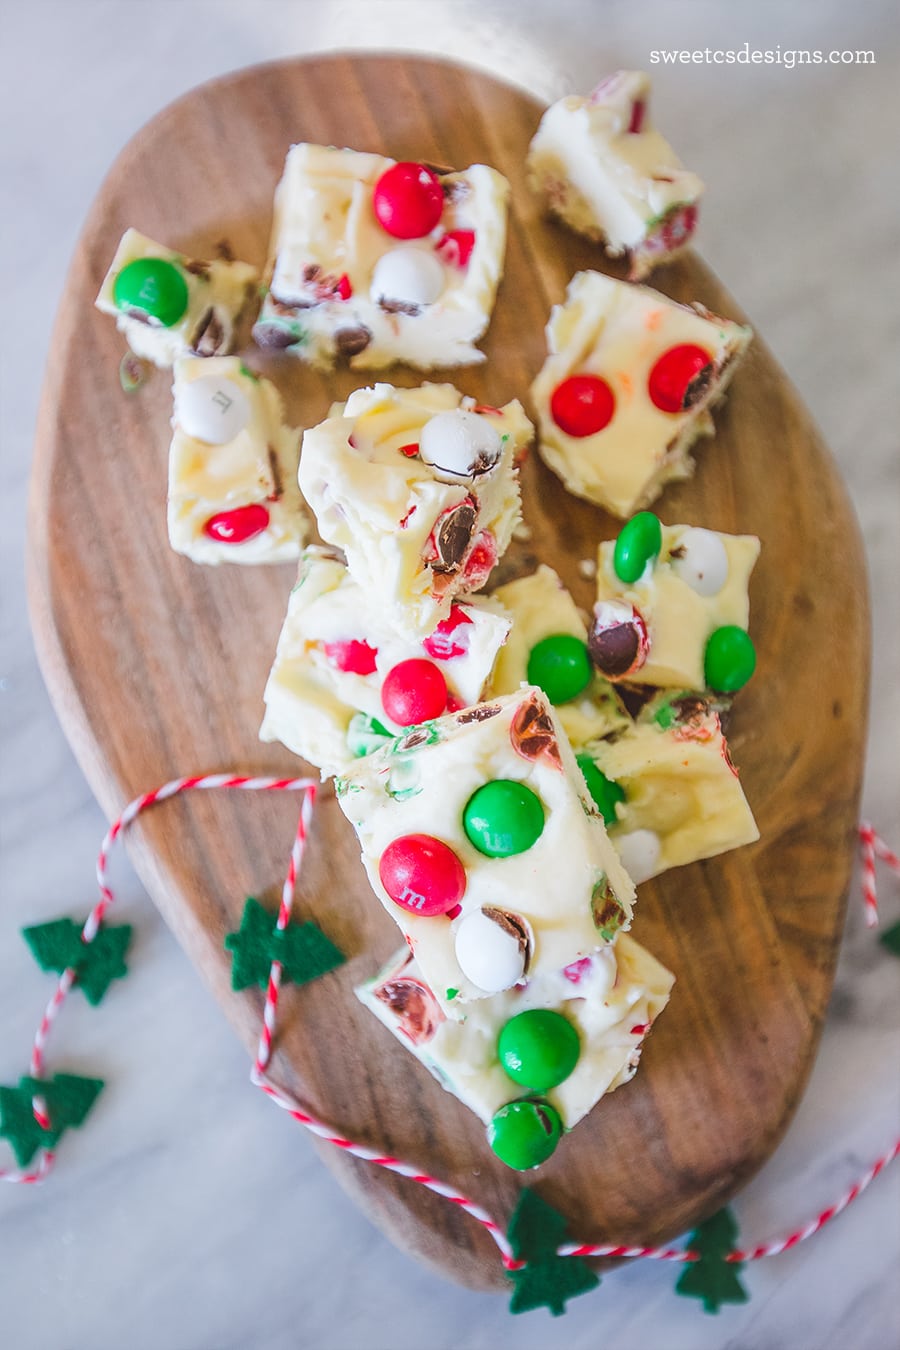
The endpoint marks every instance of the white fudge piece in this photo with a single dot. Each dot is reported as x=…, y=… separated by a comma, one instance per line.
x=335, y=650
x=416, y=535
x=682, y=797
x=564, y=895
x=679, y=610
x=218, y=294
x=340, y=285
x=605, y=170
x=623, y=345
x=541, y=607
x=233, y=494
x=612, y=999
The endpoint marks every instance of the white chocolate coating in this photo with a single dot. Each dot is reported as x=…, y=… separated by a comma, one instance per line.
x=549, y=887
x=541, y=607
x=680, y=787
x=618, y=995
x=608, y=182
x=618, y=331
x=327, y=261
x=679, y=620
x=258, y=465
x=383, y=506
x=228, y=288
x=310, y=702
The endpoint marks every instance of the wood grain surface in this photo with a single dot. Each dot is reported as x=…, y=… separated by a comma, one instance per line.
x=156, y=667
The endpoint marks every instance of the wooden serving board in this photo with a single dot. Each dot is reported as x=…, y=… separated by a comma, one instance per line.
x=157, y=666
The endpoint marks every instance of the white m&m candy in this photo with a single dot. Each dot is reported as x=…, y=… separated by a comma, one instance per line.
x=408, y=276
x=700, y=560
x=492, y=949
x=211, y=409
x=459, y=444
x=639, y=851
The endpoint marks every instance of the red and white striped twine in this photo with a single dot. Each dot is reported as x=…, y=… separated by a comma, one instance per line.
x=872, y=846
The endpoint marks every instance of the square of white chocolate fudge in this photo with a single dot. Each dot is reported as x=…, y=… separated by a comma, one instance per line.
x=626, y=388
x=668, y=789
x=168, y=305
x=233, y=494
x=683, y=621
x=483, y=844
x=324, y=693
x=605, y=170
x=378, y=262
x=611, y=998
x=547, y=646
x=420, y=489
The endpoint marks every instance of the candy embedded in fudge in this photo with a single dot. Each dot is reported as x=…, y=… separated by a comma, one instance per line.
x=483, y=844
x=627, y=387
x=673, y=607
x=608, y=173
x=420, y=489
x=377, y=261
x=233, y=494
x=547, y=646
x=169, y=306
x=667, y=787
x=580, y=1037
x=324, y=697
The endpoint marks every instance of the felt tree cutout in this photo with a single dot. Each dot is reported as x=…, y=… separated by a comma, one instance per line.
x=303, y=949
x=712, y=1278
x=546, y=1280
x=58, y=946
x=890, y=938
x=67, y=1098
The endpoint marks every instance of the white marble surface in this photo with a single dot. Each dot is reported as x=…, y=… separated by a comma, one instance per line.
x=191, y=1215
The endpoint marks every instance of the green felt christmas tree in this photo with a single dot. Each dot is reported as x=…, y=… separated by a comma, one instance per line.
x=58, y=946
x=546, y=1280
x=890, y=938
x=67, y=1098
x=303, y=949
x=713, y=1279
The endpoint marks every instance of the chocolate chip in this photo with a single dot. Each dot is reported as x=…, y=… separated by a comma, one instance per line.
x=454, y=535
x=614, y=650
x=274, y=335
x=352, y=341
x=480, y=713
x=213, y=334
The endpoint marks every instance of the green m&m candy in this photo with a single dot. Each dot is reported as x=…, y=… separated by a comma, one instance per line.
x=729, y=660
x=523, y=1134
x=560, y=665
x=538, y=1048
x=153, y=287
x=503, y=817
x=639, y=541
x=365, y=734
x=605, y=791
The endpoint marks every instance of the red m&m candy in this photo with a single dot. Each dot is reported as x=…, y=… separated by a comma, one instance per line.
x=239, y=525
x=582, y=405
x=679, y=378
x=447, y=640
x=408, y=200
x=422, y=874
x=414, y=691
x=353, y=656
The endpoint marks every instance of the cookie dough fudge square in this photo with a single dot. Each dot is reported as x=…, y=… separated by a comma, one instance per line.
x=605, y=170
x=168, y=305
x=547, y=646
x=420, y=489
x=377, y=262
x=668, y=788
x=482, y=843
x=682, y=621
x=627, y=387
x=324, y=693
x=233, y=494
x=611, y=998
